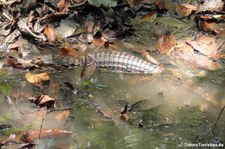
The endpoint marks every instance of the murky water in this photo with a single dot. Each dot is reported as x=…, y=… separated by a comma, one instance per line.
x=173, y=110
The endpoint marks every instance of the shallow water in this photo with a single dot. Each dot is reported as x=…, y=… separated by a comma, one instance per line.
x=175, y=108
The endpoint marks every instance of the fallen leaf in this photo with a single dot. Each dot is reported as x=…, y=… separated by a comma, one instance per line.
x=43, y=100
x=50, y=33
x=68, y=50
x=188, y=54
x=62, y=115
x=162, y=5
x=166, y=43
x=212, y=5
x=149, y=17
x=37, y=78
x=206, y=44
x=26, y=138
x=49, y=133
x=24, y=29
x=124, y=114
x=61, y=4
x=99, y=42
x=218, y=28
x=186, y=9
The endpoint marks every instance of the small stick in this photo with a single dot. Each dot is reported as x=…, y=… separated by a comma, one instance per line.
x=39, y=135
x=214, y=126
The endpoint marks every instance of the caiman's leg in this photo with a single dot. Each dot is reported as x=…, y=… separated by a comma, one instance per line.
x=88, y=67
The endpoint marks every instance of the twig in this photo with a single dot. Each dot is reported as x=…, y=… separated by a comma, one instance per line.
x=39, y=135
x=214, y=126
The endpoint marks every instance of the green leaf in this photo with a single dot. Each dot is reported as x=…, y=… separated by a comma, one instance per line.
x=109, y=3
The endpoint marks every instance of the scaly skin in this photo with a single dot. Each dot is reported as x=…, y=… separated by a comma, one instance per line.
x=120, y=62
x=123, y=62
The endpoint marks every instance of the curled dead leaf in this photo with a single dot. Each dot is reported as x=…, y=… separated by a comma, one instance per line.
x=124, y=115
x=186, y=9
x=166, y=43
x=50, y=32
x=37, y=78
x=43, y=100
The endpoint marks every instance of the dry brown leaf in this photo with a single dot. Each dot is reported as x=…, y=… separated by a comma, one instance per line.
x=124, y=115
x=61, y=4
x=166, y=43
x=218, y=28
x=62, y=115
x=43, y=100
x=34, y=134
x=207, y=45
x=50, y=33
x=212, y=5
x=161, y=5
x=149, y=17
x=186, y=52
x=37, y=78
x=72, y=52
x=185, y=9
x=100, y=42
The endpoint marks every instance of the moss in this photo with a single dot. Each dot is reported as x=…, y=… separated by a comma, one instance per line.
x=193, y=125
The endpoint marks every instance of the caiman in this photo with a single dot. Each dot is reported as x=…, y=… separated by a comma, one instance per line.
x=120, y=62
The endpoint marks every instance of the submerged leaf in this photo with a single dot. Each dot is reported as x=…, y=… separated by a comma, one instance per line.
x=170, y=21
x=62, y=115
x=37, y=78
x=49, y=133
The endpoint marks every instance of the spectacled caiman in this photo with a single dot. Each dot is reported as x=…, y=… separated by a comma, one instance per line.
x=120, y=62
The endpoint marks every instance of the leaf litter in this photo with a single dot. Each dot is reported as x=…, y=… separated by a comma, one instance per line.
x=74, y=28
